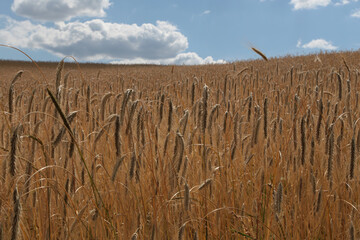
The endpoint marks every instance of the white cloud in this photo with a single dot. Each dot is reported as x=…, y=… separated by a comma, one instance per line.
x=160, y=43
x=298, y=43
x=59, y=10
x=309, y=4
x=206, y=12
x=342, y=2
x=317, y=44
x=189, y=58
x=356, y=13
x=313, y=4
x=96, y=39
x=192, y=58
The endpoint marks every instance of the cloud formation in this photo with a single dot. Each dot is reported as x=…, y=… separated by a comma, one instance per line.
x=317, y=44
x=189, y=58
x=206, y=12
x=59, y=10
x=309, y=4
x=356, y=13
x=99, y=40
x=96, y=39
x=314, y=4
x=342, y=2
x=93, y=40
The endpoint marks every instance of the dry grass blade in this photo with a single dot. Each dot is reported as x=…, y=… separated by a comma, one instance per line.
x=101, y=132
x=205, y=184
x=135, y=234
x=69, y=118
x=116, y=167
x=59, y=71
x=62, y=115
x=76, y=221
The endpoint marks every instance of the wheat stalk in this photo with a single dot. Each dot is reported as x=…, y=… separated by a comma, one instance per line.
x=12, y=157
x=16, y=218
x=170, y=115
x=352, y=158
x=331, y=151
x=260, y=53
x=11, y=93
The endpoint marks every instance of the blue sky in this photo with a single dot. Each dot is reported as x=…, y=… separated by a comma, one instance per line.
x=174, y=31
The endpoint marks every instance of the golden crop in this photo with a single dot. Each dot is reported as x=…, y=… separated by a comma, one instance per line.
x=247, y=150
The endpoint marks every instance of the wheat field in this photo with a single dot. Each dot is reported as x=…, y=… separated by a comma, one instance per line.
x=246, y=150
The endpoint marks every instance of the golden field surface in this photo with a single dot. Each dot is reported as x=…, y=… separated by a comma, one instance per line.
x=246, y=150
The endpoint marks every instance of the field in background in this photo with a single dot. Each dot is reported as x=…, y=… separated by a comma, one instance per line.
x=247, y=150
